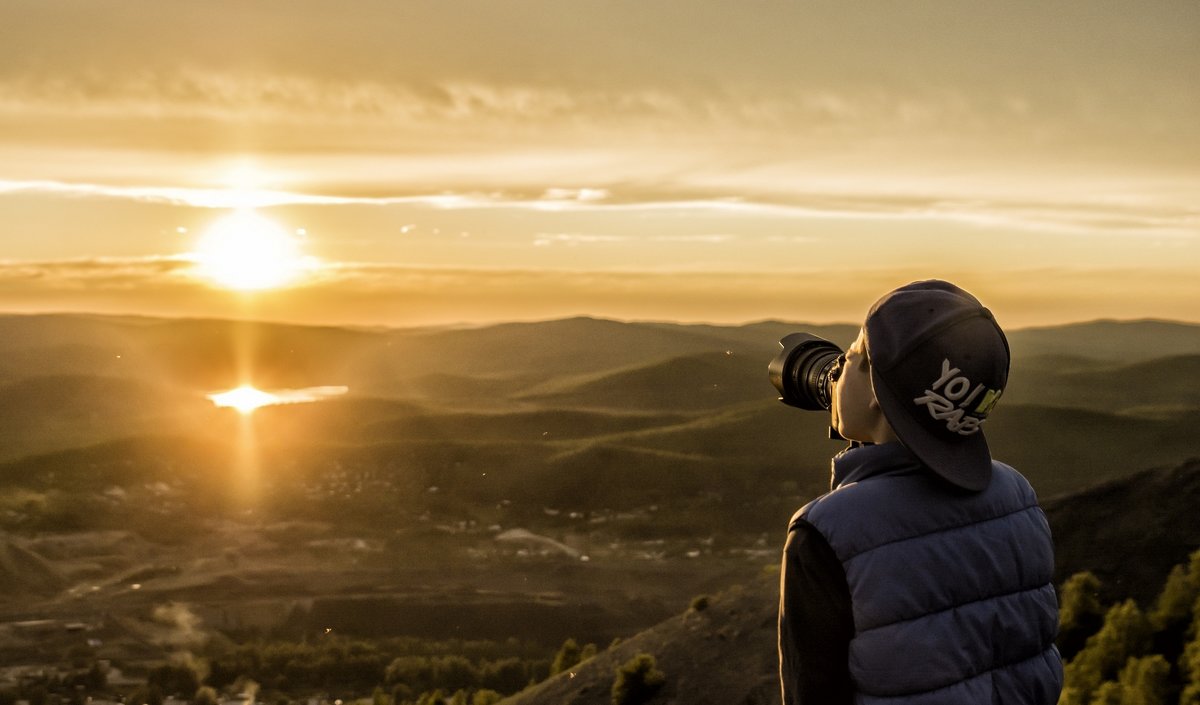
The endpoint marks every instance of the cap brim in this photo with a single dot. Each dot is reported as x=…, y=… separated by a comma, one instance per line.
x=965, y=462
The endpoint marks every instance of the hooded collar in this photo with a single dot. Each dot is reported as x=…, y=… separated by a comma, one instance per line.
x=860, y=462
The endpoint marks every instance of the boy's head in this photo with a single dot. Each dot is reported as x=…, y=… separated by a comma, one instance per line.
x=937, y=362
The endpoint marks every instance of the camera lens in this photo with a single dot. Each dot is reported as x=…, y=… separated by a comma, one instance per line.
x=803, y=371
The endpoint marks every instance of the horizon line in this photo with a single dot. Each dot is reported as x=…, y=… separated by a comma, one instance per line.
x=463, y=325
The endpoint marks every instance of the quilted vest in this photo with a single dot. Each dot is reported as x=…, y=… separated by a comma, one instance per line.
x=952, y=592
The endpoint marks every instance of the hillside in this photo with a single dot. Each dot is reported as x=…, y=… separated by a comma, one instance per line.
x=1129, y=531
x=1156, y=387
x=726, y=653
x=723, y=655
x=1120, y=342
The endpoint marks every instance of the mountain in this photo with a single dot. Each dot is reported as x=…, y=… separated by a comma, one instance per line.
x=1153, y=387
x=725, y=654
x=702, y=381
x=1121, y=342
x=69, y=410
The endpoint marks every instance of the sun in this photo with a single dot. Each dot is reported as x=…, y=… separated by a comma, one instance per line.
x=247, y=251
x=245, y=399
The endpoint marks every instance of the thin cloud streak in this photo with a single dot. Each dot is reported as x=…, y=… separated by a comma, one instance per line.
x=1064, y=218
x=224, y=198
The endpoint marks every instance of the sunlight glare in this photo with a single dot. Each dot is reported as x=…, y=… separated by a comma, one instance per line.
x=247, y=251
x=245, y=399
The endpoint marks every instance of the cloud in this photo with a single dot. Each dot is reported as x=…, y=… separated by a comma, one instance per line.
x=713, y=239
x=573, y=239
x=170, y=107
x=575, y=194
x=1061, y=214
x=92, y=273
x=943, y=82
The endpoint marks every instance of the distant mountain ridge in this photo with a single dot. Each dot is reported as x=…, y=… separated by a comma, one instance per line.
x=1084, y=403
x=1124, y=342
x=56, y=343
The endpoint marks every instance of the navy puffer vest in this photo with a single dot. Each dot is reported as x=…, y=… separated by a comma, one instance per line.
x=952, y=592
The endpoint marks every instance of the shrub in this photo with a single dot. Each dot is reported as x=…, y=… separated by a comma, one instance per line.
x=566, y=657
x=637, y=681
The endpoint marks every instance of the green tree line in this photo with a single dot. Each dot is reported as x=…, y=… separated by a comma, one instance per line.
x=1121, y=654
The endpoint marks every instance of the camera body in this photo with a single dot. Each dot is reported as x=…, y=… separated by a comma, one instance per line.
x=804, y=371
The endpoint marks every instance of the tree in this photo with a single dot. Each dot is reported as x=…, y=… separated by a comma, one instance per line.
x=507, y=675
x=1174, y=604
x=1143, y=681
x=486, y=697
x=416, y=672
x=205, y=695
x=1189, y=663
x=637, y=681
x=1109, y=693
x=174, y=678
x=1080, y=613
x=454, y=671
x=566, y=658
x=149, y=694
x=401, y=693
x=1125, y=633
x=1172, y=612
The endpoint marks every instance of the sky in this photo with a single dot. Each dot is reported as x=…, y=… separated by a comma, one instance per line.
x=422, y=162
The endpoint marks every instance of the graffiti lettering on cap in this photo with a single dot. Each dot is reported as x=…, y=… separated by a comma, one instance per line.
x=949, y=396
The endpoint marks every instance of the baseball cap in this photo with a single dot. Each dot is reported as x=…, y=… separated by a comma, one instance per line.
x=939, y=363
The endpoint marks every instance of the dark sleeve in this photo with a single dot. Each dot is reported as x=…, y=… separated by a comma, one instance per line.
x=815, y=622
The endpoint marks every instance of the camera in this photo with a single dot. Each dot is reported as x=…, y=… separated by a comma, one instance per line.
x=804, y=371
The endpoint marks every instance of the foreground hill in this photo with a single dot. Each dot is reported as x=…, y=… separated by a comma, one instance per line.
x=725, y=654
x=1129, y=532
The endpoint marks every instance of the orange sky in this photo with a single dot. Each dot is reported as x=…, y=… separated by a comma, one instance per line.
x=675, y=160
